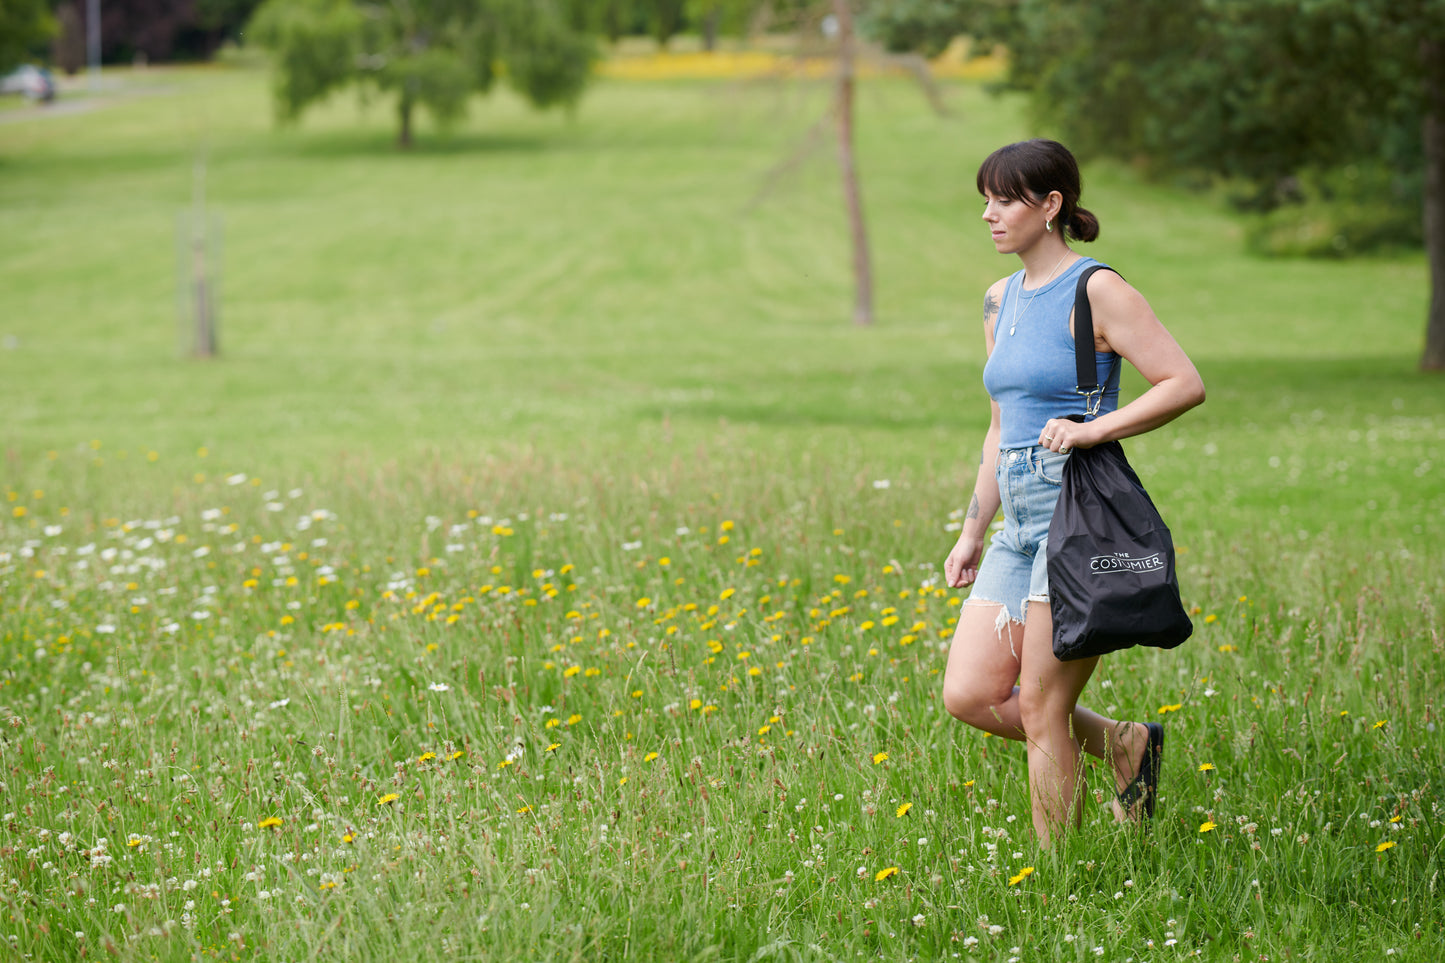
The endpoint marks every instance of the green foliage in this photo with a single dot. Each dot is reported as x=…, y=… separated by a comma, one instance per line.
x=925, y=26
x=433, y=54
x=1258, y=92
x=1341, y=212
x=24, y=24
x=547, y=64
x=316, y=44
x=1254, y=89
x=722, y=16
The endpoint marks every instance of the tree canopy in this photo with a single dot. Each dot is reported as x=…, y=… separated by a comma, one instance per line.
x=23, y=25
x=426, y=53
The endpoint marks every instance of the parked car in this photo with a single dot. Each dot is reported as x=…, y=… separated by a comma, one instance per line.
x=34, y=83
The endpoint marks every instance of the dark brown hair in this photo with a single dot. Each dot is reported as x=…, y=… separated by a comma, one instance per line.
x=1029, y=170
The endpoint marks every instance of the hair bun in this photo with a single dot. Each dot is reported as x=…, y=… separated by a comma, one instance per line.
x=1083, y=225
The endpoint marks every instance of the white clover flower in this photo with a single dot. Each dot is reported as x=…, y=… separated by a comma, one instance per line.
x=919, y=919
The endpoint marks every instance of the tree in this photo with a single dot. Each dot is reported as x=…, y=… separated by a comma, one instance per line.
x=24, y=25
x=426, y=53
x=1279, y=95
x=667, y=19
x=716, y=17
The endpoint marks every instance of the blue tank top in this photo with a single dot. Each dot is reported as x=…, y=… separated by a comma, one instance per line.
x=1031, y=372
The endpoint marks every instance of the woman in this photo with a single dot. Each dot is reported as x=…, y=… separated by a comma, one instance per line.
x=1002, y=676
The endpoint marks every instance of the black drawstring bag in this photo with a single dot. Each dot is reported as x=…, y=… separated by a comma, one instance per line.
x=1110, y=555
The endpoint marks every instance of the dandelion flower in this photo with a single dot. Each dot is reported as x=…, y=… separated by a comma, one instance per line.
x=903, y=810
x=554, y=747
x=1206, y=767
x=388, y=799
x=268, y=822
x=1206, y=827
x=1175, y=707
x=426, y=756
x=1021, y=875
x=879, y=757
x=649, y=757
x=1381, y=724
x=883, y=874
x=504, y=764
x=457, y=755
x=1384, y=846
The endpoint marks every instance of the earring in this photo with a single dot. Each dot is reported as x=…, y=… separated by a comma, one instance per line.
x=1049, y=226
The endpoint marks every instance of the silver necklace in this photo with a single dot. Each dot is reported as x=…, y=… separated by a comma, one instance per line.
x=1020, y=312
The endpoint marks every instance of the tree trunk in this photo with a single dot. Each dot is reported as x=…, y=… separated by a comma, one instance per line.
x=862, y=262
x=1432, y=57
x=667, y=18
x=710, y=28
x=404, y=110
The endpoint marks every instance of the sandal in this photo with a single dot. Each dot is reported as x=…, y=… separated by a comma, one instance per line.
x=1145, y=784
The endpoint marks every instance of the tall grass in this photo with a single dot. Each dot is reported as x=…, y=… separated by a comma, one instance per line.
x=547, y=571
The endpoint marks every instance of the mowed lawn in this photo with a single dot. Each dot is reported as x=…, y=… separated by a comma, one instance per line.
x=548, y=569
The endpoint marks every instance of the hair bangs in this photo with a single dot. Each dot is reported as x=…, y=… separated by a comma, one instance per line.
x=1002, y=176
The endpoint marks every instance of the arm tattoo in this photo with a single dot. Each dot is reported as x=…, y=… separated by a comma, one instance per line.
x=990, y=307
x=973, y=507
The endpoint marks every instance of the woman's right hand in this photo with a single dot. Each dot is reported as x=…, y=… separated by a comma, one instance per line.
x=961, y=566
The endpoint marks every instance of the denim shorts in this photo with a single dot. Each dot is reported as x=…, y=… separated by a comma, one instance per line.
x=1014, y=569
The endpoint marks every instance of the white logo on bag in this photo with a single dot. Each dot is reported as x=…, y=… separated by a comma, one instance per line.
x=1121, y=562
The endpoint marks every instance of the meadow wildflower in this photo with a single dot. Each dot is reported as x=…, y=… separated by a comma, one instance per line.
x=883, y=874
x=388, y=799
x=1021, y=875
x=268, y=822
x=1206, y=827
x=1174, y=707
x=879, y=757
x=1384, y=846
x=1206, y=767
x=903, y=810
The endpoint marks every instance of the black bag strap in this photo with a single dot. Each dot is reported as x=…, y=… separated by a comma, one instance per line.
x=1085, y=370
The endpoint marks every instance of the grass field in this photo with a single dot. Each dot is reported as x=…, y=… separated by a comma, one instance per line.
x=547, y=569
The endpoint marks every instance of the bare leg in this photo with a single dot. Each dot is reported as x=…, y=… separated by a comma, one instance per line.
x=986, y=660
x=1048, y=698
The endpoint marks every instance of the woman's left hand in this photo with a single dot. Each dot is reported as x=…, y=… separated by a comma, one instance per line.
x=1063, y=436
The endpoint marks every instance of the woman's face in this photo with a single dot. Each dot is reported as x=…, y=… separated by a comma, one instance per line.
x=1015, y=226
